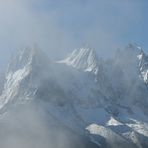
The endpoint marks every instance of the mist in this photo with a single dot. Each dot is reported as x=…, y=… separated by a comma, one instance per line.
x=59, y=27
x=46, y=102
x=29, y=126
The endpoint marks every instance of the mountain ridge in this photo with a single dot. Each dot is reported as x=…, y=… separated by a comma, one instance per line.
x=82, y=89
x=83, y=58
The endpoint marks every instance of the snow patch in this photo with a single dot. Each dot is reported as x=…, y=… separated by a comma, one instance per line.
x=113, y=122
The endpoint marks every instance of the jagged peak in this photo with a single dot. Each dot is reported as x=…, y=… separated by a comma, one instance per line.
x=141, y=55
x=29, y=53
x=134, y=46
x=26, y=56
x=83, y=58
x=134, y=58
x=130, y=52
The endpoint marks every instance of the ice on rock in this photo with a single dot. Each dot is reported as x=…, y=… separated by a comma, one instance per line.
x=84, y=59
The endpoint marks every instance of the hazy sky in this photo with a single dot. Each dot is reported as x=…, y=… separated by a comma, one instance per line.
x=58, y=26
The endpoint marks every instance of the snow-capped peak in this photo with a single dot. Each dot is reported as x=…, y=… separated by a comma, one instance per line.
x=143, y=65
x=132, y=59
x=23, y=58
x=84, y=59
x=19, y=81
x=26, y=56
x=141, y=56
x=113, y=110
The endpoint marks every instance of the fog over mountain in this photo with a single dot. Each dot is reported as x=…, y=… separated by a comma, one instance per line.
x=58, y=27
x=80, y=101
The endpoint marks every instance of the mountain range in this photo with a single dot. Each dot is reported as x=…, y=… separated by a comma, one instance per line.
x=77, y=102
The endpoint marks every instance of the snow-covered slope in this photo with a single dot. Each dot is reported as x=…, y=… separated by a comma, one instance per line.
x=143, y=65
x=104, y=101
x=84, y=59
x=22, y=76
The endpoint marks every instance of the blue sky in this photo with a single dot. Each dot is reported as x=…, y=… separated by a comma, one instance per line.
x=59, y=26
